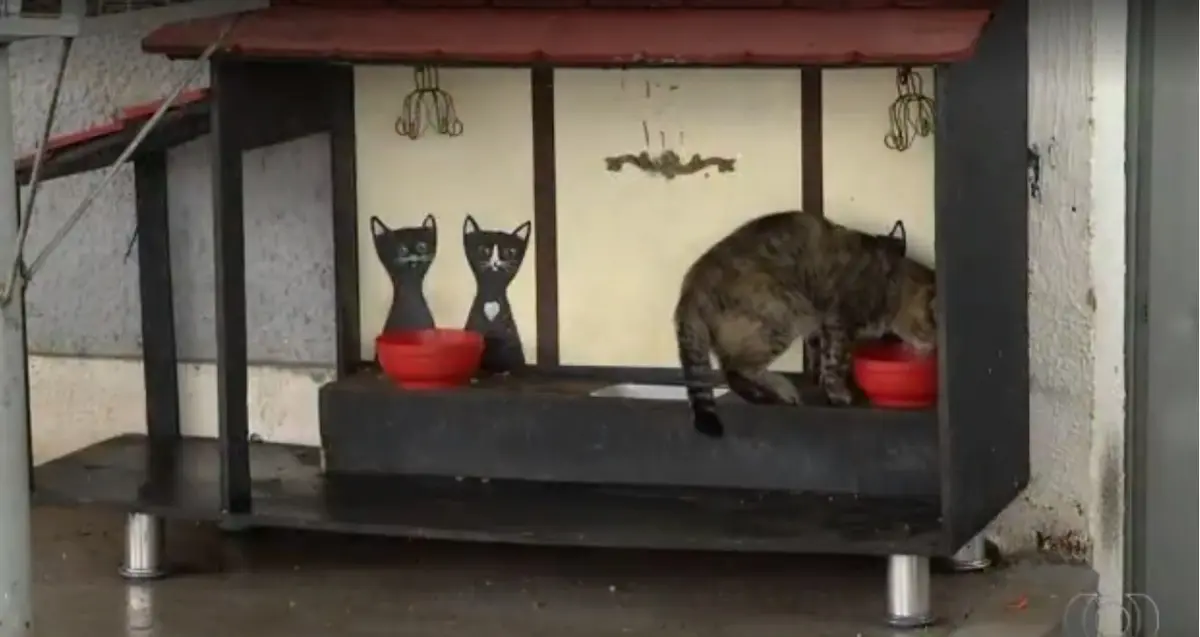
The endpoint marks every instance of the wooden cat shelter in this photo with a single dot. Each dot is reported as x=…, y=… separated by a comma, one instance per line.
x=563, y=466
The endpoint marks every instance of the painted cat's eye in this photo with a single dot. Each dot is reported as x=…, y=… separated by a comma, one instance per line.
x=485, y=251
x=422, y=248
x=510, y=253
x=402, y=250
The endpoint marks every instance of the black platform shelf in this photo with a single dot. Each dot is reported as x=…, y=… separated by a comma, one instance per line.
x=544, y=425
x=181, y=479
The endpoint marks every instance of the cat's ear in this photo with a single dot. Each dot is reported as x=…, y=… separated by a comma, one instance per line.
x=522, y=231
x=429, y=223
x=469, y=225
x=900, y=236
x=378, y=227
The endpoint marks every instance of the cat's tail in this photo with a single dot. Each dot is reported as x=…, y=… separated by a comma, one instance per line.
x=695, y=344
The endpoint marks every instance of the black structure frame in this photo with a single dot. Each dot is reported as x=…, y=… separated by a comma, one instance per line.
x=566, y=468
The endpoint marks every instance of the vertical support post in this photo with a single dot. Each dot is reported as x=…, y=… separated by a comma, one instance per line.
x=143, y=547
x=812, y=175
x=16, y=616
x=908, y=592
x=812, y=141
x=343, y=157
x=981, y=239
x=144, y=532
x=158, y=307
x=545, y=214
x=229, y=256
x=973, y=556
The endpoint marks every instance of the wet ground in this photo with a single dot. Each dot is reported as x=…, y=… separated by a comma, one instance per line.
x=274, y=583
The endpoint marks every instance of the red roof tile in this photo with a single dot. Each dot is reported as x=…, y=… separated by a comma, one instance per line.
x=146, y=109
x=589, y=37
x=78, y=137
x=127, y=116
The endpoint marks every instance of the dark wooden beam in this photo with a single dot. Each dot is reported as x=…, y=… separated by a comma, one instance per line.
x=230, y=94
x=545, y=215
x=159, y=364
x=812, y=141
x=159, y=358
x=290, y=101
x=344, y=180
x=812, y=174
x=981, y=242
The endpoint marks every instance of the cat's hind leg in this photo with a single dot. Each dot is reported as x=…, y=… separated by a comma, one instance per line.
x=763, y=386
x=744, y=348
x=749, y=390
x=812, y=357
x=834, y=368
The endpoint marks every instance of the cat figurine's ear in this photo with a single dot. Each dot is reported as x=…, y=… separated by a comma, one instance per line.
x=469, y=225
x=522, y=231
x=378, y=227
x=429, y=223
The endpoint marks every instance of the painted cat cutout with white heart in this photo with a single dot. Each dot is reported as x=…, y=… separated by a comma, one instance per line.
x=494, y=257
x=491, y=309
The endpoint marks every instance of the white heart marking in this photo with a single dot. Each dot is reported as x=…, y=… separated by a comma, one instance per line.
x=491, y=309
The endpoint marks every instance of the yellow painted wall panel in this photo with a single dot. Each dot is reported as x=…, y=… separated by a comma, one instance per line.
x=487, y=173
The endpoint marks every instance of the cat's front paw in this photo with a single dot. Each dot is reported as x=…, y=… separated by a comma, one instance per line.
x=839, y=396
x=709, y=424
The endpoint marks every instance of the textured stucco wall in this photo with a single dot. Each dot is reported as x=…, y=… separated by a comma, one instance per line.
x=1074, y=504
x=85, y=302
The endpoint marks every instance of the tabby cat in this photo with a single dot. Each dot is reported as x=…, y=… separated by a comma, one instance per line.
x=790, y=275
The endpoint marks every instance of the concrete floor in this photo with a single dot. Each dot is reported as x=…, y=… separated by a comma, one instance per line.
x=275, y=583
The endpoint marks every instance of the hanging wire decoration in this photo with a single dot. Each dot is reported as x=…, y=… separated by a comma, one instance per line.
x=911, y=114
x=428, y=106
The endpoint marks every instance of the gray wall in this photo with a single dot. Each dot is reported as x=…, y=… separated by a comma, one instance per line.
x=85, y=300
x=1164, y=436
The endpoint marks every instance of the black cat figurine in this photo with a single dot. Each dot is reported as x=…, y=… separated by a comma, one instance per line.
x=406, y=254
x=495, y=257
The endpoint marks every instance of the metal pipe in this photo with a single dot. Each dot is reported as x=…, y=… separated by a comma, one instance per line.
x=198, y=65
x=143, y=547
x=972, y=556
x=16, y=615
x=35, y=173
x=908, y=592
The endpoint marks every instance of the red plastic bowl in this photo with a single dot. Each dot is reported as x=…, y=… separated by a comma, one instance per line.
x=429, y=359
x=892, y=375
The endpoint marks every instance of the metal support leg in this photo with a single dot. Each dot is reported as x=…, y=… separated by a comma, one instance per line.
x=16, y=615
x=972, y=556
x=908, y=592
x=143, y=547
